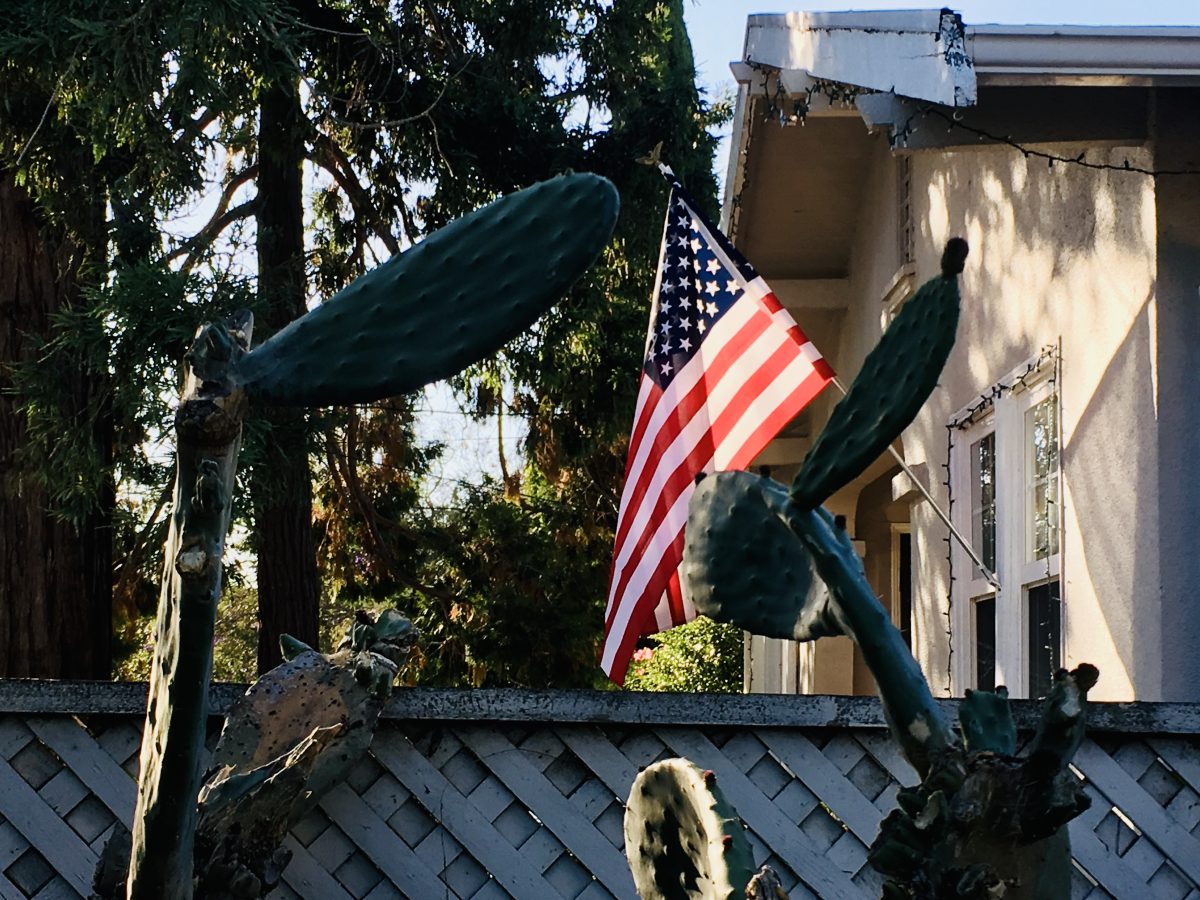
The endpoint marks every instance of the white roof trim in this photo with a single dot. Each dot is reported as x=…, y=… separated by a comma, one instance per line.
x=868, y=45
x=1077, y=50
x=917, y=53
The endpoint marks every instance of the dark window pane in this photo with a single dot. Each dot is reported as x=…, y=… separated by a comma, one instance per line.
x=905, y=588
x=985, y=644
x=1045, y=637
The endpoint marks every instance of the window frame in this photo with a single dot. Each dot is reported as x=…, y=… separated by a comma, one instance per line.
x=1005, y=417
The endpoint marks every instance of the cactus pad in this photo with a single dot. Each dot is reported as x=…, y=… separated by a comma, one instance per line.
x=452, y=299
x=986, y=722
x=743, y=564
x=896, y=379
x=683, y=839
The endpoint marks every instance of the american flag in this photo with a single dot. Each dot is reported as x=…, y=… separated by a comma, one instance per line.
x=726, y=368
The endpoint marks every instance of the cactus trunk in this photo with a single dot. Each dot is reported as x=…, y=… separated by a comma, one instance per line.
x=208, y=428
x=915, y=720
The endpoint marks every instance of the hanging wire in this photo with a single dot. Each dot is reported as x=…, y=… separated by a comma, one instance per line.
x=898, y=138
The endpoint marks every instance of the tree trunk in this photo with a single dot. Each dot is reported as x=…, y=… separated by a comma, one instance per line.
x=281, y=487
x=55, y=576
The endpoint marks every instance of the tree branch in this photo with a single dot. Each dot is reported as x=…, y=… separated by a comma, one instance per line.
x=329, y=156
x=221, y=219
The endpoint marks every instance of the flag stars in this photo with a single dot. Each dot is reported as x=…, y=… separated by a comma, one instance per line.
x=732, y=286
x=695, y=244
x=710, y=308
x=713, y=265
x=686, y=344
x=701, y=327
x=711, y=288
x=666, y=369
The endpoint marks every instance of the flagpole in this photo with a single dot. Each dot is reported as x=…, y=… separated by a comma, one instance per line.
x=653, y=159
x=941, y=514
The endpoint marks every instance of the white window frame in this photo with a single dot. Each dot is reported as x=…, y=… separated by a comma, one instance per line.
x=898, y=529
x=1005, y=416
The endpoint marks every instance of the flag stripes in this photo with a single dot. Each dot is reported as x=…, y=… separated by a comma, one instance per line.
x=704, y=405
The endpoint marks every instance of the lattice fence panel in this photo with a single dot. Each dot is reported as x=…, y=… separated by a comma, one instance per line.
x=533, y=811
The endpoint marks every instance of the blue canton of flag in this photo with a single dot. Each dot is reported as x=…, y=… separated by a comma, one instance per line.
x=695, y=289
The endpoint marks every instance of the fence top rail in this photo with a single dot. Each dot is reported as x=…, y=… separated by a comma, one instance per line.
x=45, y=697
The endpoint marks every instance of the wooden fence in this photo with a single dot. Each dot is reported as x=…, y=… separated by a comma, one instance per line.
x=497, y=794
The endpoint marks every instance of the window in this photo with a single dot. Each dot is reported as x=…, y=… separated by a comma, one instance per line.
x=902, y=581
x=984, y=610
x=1005, y=484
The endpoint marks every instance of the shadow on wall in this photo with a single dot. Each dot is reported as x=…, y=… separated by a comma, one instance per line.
x=1066, y=255
x=1115, y=498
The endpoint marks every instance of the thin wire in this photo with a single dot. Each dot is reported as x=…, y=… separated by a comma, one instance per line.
x=1051, y=158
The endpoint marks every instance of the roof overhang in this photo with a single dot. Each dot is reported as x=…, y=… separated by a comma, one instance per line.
x=917, y=53
x=914, y=53
x=1035, y=84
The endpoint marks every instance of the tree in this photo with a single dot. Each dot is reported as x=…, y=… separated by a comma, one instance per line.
x=288, y=586
x=410, y=115
x=82, y=130
x=534, y=548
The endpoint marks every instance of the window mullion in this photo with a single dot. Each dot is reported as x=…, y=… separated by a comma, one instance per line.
x=1010, y=539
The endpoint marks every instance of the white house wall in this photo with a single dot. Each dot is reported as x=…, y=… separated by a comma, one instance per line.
x=1061, y=256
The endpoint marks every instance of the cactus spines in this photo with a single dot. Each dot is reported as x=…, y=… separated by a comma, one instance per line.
x=450, y=300
x=744, y=565
x=892, y=386
x=683, y=839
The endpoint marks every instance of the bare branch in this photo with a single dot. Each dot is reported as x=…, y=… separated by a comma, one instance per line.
x=221, y=219
x=329, y=156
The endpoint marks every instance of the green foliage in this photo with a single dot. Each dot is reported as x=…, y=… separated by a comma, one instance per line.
x=120, y=112
x=235, y=644
x=701, y=656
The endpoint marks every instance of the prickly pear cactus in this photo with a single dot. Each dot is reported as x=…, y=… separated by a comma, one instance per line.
x=683, y=839
x=457, y=296
x=743, y=564
x=429, y=312
x=298, y=730
x=208, y=426
x=984, y=823
x=895, y=380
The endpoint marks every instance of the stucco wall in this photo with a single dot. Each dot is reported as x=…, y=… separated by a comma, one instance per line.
x=1059, y=255
x=1106, y=266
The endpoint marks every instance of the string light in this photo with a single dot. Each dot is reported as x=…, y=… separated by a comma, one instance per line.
x=898, y=138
